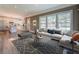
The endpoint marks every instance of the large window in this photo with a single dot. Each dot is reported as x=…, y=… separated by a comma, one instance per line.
x=51, y=21
x=61, y=20
x=64, y=21
x=42, y=22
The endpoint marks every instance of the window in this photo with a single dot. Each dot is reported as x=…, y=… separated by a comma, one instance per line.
x=64, y=21
x=61, y=20
x=42, y=21
x=51, y=22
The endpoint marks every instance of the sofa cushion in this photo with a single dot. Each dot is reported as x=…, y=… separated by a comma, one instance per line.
x=56, y=36
x=54, y=31
x=65, y=39
x=53, y=36
x=51, y=31
x=57, y=31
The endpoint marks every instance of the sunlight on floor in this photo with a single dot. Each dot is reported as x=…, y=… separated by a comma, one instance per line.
x=12, y=39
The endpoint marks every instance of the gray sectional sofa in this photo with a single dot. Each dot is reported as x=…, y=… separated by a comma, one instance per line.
x=54, y=36
x=63, y=39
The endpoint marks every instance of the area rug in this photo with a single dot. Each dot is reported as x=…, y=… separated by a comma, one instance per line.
x=27, y=46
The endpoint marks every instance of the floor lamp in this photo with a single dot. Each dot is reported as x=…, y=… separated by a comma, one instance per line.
x=75, y=37
x=35, y=31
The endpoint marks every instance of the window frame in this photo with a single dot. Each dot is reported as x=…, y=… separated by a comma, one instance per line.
x=56, y=14
x=55, y=19
x=39, y=21
x=71, y=17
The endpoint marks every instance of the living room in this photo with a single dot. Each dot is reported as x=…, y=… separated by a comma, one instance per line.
x=39, y=28
x=57, y=24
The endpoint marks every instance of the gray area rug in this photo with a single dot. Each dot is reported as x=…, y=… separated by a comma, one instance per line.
x=27, y=46
x=24, y=46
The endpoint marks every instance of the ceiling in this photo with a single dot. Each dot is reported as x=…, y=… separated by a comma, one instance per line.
x=26, y=10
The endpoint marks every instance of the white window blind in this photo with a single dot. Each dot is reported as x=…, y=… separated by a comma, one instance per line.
x=64, y=21
x=51, y=22
x=42, y=21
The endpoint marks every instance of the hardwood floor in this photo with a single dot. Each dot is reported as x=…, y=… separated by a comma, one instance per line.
x=6, y=46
